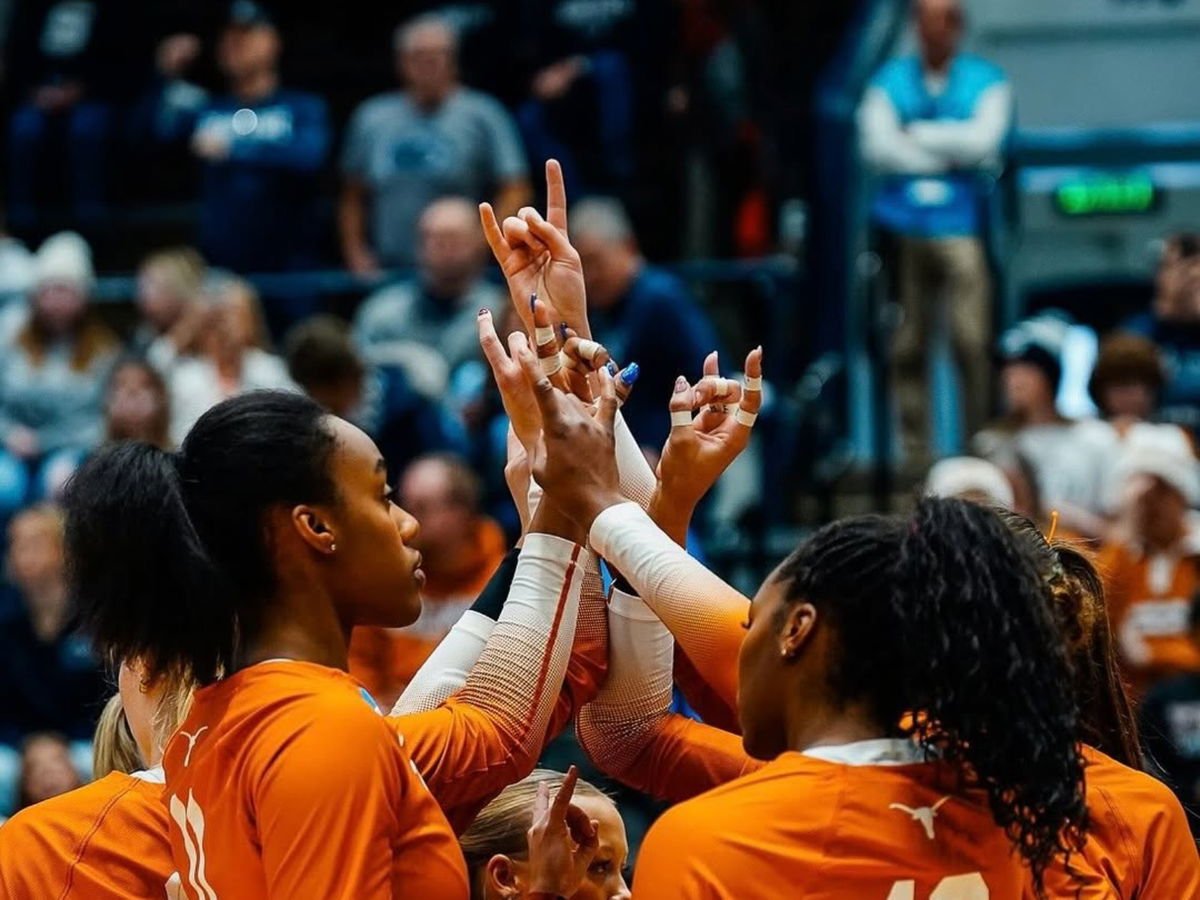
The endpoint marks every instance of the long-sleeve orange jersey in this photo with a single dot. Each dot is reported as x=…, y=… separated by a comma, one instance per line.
x=819, y=829
x=104, y=841
x=285, y=782
x=1138, y=845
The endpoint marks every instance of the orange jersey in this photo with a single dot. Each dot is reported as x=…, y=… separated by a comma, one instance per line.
x=806, y=827
x=1149, y=598
x=285, y=782
x=1138, y=844
x=104, y=841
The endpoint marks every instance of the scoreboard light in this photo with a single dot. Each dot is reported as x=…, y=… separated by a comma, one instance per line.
x=1112, y=194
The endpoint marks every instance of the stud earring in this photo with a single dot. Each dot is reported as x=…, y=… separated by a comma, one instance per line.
x=333, y=548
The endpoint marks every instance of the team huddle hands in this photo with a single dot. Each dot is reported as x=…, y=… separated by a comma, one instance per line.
x=562, y=392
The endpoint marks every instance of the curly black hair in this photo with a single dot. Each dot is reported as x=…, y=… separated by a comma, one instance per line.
x=946, y=634
x=167, y=554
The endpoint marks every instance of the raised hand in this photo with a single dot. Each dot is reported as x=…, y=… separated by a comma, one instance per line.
x=698, y=450
x=515, y=392
x=575, y=462
x=562, y=841
x=536, y=256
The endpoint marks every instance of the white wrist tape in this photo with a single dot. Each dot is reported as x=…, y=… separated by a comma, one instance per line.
x=681, y=417
x=752, y=383
x=543, y=334
x=745, y=418
x=551, y=364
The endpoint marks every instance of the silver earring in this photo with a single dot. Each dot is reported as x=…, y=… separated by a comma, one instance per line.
x=333, y=548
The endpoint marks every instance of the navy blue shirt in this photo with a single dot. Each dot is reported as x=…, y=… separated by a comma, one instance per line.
x=55, y=686
x=258, y=206
x=1179, y=343
x=1171, y=730
x=658, y=325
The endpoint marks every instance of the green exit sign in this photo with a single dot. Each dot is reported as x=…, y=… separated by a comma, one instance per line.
x=1106, y=194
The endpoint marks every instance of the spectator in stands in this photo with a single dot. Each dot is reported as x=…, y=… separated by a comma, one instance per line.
x=262, y=147
x=1173, y=324
x=438, y=307
x=168, y=285
x=136, y=405
x=52, y=375
x=969, y=478
x=47, y=769
x=930, y=124
x=1171, y=729
x=1127, y=380
x=380, y=399
x=51, y=679
x=1069, y=459
x=1153, y=571
x=16, y=281
x=72, y=67
x=405, y=149
x=632, y=305
x=229, y=356
x=460, y=549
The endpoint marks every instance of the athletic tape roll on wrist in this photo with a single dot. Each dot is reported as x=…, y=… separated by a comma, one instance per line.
x=681, y=417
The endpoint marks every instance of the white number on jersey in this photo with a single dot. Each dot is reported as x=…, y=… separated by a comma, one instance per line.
x=190, y=819
x=953, y=887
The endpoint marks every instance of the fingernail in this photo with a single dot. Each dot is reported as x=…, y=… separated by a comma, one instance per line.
x=485, y=311
x=532, y=301
x=612, y=368
x=680, y=384
x=631, y=373
x=562, y=331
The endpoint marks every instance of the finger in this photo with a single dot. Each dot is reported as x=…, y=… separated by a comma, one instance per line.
x=547, y=233
x=752, y=395
x=680, y=407
x=715, y=390
x=583, y=830
x=556, y=196
x=517, y=233
x=549, y=357
x=541, y=803
x=584, y=354
x=624, y=380
x=712, y=365
x=489, y=342
x=562, y=800
x=492, y=232
x=607, y=413
x=543, y=390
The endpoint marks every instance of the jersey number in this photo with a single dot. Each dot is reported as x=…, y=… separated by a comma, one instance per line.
x=190, y=819
x=954, y=887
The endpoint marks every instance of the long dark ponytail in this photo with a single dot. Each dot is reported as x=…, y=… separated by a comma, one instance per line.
x=946, y=633
x=167, y=554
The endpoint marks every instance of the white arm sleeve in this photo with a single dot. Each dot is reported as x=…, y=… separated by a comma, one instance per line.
x=703, y=613
x=637, y=478
x=624, y=717
x=886, y=146
x=970, y=142
x=445, y=671
x=520, y=671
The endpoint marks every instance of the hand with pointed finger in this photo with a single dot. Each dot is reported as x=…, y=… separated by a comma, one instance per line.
x=575, y=462
x=699, y=449
x=562, y=841
x=537, y=258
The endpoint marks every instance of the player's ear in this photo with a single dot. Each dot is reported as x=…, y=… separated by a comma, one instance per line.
x=799, y=620
x=501, y=878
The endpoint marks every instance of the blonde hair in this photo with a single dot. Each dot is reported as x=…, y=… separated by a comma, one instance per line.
x=173, y=707
x=503, y=826
x=48, y=515
x=182, y=267
x=114, y=749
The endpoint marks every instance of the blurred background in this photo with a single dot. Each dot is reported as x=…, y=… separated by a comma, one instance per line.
x=966, y=232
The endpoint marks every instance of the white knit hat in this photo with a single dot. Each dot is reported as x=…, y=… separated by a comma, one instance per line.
x=1159, y=450
x=961, y=475
x=64, y=257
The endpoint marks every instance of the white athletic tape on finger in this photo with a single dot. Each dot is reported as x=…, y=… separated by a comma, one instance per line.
x=588, y=350
x=752, y=383
x=551, y=364
x=543, y=334
x=745, y=418
x=681, y=417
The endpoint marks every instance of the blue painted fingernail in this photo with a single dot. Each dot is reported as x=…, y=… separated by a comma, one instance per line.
x=532, y=301
x=612, y=368
x=562, y=331
x=631, y=373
